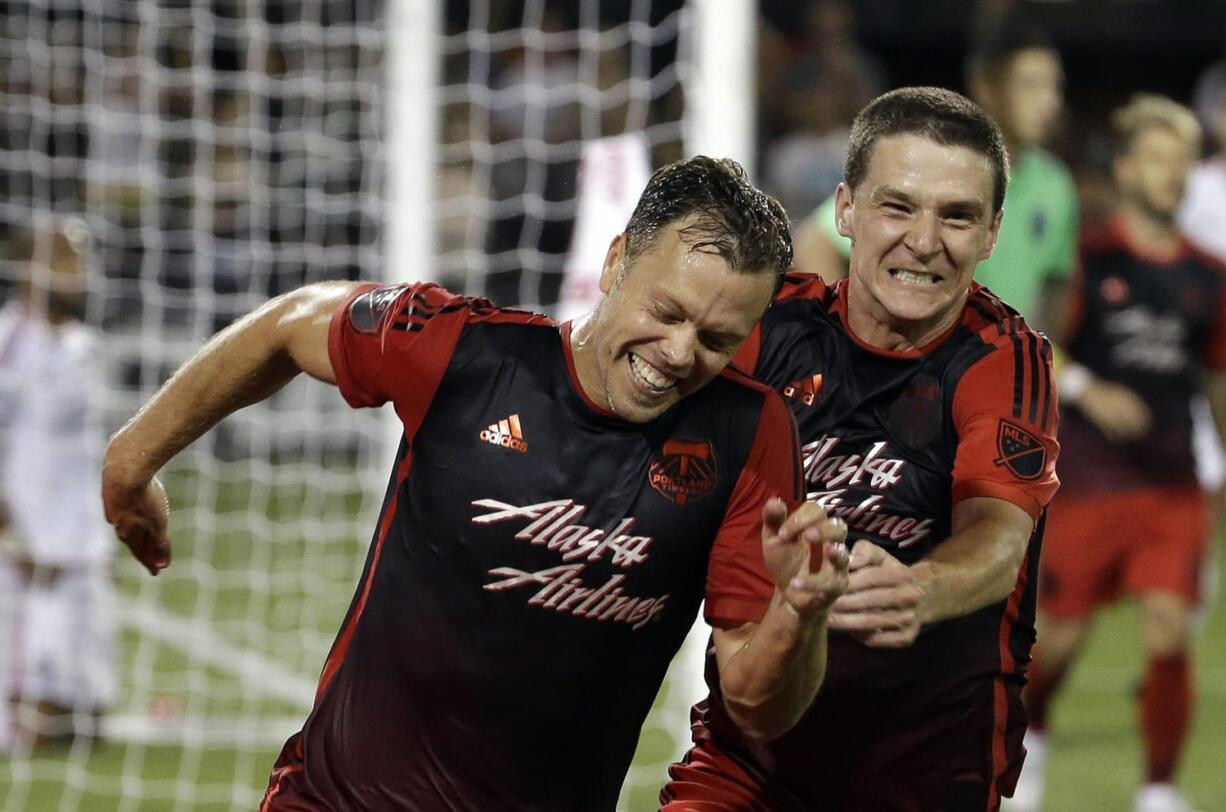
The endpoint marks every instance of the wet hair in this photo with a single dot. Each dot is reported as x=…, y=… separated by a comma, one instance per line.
x=991, y=58
x=1145, y=110
x=943, y=116
x=732, y=218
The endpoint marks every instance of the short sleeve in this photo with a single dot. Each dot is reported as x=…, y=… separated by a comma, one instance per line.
x=1006, y=418
x=394, y=344
x=739, y=589
x=826, y=219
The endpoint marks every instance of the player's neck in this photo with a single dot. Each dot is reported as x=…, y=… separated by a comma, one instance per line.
x=870, y=323
x=1153, y=236
x=583, y=351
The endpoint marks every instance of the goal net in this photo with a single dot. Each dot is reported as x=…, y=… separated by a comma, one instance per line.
x=219, y=152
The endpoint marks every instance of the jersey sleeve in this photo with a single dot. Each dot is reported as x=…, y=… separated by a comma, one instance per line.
x=739, y=589
x=1006, y=419
x=825, y=218
x=394, y=344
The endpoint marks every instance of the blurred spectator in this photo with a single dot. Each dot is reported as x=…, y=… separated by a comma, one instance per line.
x=1148, y=335
x=57, y=546
x=1017, y=77
x=1203, y=212
x=810, y=103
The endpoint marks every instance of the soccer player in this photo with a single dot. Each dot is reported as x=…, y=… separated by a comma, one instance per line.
x=58, y=596
x=1147, y=334
x=1018, y=79
x=928, y=419
x=557, y=496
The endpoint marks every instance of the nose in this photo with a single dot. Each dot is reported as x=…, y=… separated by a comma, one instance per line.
x=678, y=348
x=923, y=237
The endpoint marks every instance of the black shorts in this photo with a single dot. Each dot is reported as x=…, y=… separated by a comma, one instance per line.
x=955, y=750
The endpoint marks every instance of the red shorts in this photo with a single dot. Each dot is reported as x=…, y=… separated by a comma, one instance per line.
x=1135, y=541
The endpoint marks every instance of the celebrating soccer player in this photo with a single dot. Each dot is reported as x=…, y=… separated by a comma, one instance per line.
x=1147, y=334
x=557, y=496
x=928, y=419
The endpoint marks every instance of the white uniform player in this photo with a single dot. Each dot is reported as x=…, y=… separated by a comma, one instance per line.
x=59, y=618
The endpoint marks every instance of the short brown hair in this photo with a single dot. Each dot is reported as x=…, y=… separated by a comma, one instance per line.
x=744, y=225
x=944, y=116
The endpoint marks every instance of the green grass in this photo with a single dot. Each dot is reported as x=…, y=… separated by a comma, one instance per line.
x=280, y=587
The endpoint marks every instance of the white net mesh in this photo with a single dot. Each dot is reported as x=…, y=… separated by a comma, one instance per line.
x=221, y=152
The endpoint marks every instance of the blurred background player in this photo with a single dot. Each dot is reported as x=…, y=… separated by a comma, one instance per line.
x=1017, y=77
x=1147, y=334
x=56, y=544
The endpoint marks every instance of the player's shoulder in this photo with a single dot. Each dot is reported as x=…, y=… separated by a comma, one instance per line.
x=735, y=391
x=800, y=297
x=995, y=323
x=409, y=306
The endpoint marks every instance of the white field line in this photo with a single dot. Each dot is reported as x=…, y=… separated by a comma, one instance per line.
x=255, y=670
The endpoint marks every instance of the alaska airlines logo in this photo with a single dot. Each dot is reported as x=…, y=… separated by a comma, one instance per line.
x=684, y=470
x=834, y=475
x=554, y=525
x=506, y=433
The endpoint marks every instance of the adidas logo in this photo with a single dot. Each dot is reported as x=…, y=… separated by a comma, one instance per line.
x=805, y=390
x=506, y=433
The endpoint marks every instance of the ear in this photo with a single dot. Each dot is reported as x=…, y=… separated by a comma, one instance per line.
x=993, y=235
x=613, y=263
x=844, y=207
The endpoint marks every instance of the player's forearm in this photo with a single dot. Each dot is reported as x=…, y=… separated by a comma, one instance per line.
x=976, y=567
x=771, y=680
x=241, y=365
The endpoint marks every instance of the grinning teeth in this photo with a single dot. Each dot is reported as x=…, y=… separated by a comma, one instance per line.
x=916, y=278
x=646, y=373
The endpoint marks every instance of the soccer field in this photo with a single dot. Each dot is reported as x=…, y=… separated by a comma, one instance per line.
x=221, y=652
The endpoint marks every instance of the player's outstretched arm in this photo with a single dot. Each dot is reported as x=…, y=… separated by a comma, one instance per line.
x=243, y=364
x=888, y=602
x=770, y=671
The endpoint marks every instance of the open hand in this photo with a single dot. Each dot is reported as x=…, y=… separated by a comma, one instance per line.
x=805, y=555
x=880, y=607
x=140, y=516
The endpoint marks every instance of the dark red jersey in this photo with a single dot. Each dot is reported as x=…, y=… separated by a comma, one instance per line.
x=536, y=565
x=891, y=442
x=1155, y=326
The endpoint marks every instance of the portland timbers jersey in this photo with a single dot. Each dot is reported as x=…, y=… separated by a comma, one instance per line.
x=1155, y=326
x=892, y=441
x=536, y=564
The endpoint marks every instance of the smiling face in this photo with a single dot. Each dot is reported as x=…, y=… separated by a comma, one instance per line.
x=670, y=321
x=919, y=221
